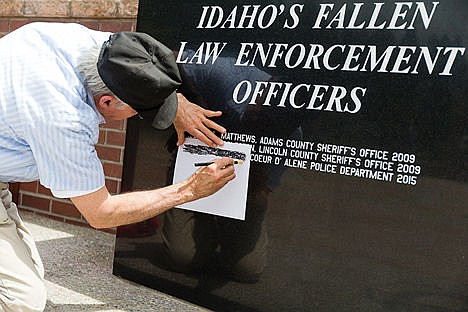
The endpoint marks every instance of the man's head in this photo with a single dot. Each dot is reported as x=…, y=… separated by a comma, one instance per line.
x=141, y=72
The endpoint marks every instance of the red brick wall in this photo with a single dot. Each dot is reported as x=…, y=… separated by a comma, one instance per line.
x=106, y=15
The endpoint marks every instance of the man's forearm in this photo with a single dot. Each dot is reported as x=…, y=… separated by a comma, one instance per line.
x=102, y=210
x=138, y=206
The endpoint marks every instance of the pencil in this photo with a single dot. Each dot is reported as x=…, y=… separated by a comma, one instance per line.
x=200, y=164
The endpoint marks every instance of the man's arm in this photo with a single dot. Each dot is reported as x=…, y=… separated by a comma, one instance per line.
x=103, y=210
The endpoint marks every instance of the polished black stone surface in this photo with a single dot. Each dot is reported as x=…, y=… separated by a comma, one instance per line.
x=358, y=193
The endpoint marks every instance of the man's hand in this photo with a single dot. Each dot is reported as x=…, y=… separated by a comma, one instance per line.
x=208, y=180
x=195, y=120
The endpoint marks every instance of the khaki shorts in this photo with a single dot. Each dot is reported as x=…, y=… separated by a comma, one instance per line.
x=21, y=270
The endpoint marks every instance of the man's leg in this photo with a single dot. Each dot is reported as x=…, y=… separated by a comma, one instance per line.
x=21, y=272
x=244, y=243
x=188, y=239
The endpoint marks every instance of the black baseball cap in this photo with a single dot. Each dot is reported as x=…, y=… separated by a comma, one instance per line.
x=142, y=72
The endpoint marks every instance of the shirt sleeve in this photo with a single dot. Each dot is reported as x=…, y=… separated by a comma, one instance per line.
x=66, y=158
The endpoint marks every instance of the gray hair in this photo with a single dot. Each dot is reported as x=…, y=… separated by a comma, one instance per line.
x=87, y=67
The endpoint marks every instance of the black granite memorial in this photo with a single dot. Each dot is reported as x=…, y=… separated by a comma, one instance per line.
x=358, y=194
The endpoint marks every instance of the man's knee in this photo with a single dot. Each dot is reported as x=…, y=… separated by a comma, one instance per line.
x=180, y=259
x=248, y=270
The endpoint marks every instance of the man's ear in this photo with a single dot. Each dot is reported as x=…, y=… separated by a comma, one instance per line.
x=104, y=102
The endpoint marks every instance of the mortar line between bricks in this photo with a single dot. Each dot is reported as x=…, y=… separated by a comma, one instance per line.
x=28, y=208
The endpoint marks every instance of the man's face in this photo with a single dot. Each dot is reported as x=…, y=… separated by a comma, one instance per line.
x=121, y=113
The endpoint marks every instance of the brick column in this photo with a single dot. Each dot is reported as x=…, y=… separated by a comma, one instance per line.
x=105, y=15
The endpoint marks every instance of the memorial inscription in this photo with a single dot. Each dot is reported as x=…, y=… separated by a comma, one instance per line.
x=330, y=158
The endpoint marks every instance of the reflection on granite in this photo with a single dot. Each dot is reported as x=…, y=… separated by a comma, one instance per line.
x=358, y=193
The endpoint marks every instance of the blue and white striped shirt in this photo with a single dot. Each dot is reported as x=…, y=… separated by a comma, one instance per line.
x=48, y=122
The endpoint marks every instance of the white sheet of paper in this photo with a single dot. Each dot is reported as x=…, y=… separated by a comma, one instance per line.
x=231, y=200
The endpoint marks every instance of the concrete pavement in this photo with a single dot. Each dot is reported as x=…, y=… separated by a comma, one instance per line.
x=78, y=272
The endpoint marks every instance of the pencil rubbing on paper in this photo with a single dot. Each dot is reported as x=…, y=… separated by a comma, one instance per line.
x=206, y=150
x=231, y=200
